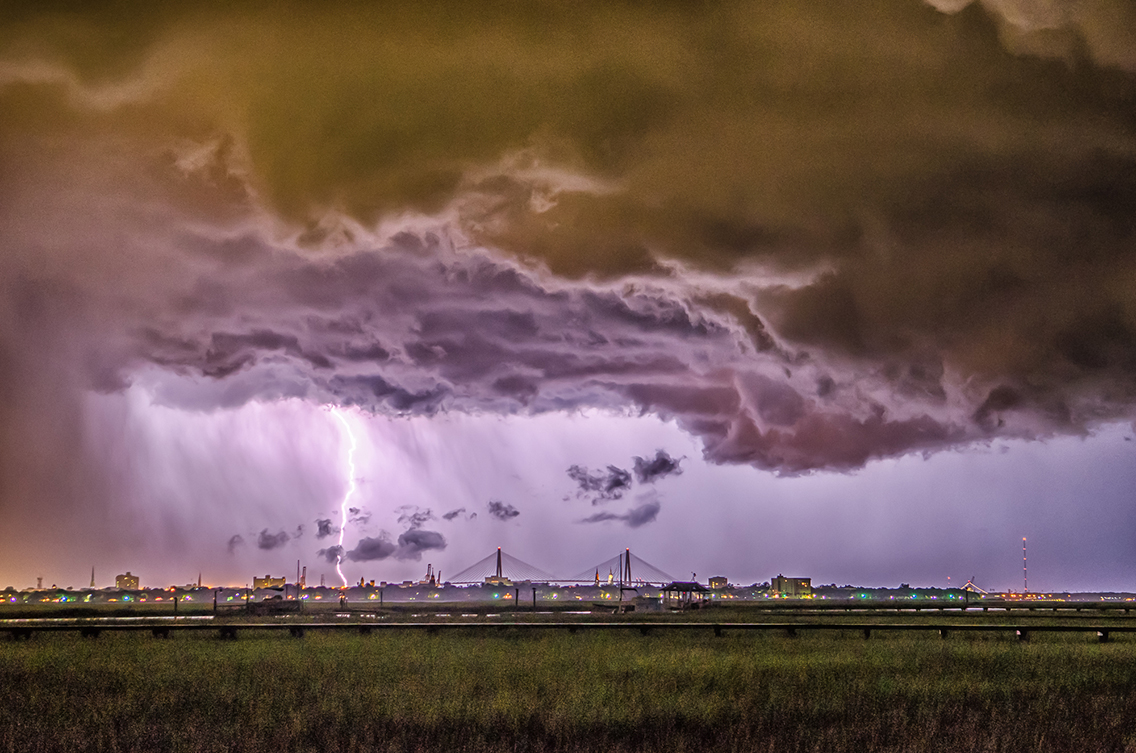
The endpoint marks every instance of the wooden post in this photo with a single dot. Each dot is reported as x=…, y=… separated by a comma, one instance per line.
x=534, y=599
x=214, y=601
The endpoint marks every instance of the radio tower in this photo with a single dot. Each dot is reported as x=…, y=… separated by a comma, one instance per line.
x=1025, y=568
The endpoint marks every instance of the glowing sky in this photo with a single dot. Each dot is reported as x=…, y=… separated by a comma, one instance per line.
x=844, y=290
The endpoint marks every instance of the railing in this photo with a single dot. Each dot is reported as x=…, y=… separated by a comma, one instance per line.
x=790, y=629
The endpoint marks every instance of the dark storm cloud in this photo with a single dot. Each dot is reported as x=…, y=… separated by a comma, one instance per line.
x=413, y=516
x=409, y=546
x=601, y=486
x=331, y=554
x=235, y=541
x=502, y=511
x=602, y=517
x=372, y=548
x=647, y=470
x=642, y=514
x=566, y=347
x=412, y=543
x=453, y=513
x=269, y=541
x=325, y=528
x=358, y=515
x=811, y=234
x=637, y=516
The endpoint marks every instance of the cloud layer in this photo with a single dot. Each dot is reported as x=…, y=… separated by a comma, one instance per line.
x=812, y=236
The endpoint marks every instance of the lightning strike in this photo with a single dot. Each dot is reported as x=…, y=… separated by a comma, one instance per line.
x=350, y=490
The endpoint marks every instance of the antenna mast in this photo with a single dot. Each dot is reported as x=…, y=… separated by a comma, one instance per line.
x=1025, y=568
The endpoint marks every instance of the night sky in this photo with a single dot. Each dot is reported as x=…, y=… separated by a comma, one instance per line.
x=843, y=290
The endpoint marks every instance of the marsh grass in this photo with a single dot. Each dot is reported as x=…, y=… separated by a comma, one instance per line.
x=597, y=691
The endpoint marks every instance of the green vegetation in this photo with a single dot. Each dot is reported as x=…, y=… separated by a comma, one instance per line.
x=601, y=691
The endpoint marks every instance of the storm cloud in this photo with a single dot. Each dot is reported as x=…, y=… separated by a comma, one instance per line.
x=810, y=235
x=601, y=486
x=648, y=470
x=269, y=541
x=502, y=511
x=412, y=543
x=640, y=515
x=409, y=546
x=331, y=554
x=325, y=528
x=414, y=517
x=371, y=548
x=358, y=516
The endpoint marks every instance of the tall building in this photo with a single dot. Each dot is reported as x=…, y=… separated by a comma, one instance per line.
x=791, y=587
x=126, y=582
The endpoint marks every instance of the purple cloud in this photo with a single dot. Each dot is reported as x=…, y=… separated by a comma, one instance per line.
x=412, y=543
x=639, y=515
x=325, y=528
x=648, y=470
x=269, y=541
x=502, y=511
x=601, y=486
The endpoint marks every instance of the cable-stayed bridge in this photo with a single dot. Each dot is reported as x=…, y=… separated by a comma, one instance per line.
x=624, y=569
x=500, y=566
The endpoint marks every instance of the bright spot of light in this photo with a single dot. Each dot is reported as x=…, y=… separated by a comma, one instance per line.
x=350, y=489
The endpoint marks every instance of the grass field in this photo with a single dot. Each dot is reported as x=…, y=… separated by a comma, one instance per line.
x=601, y=691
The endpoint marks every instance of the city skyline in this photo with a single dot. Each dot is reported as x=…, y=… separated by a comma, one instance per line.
x=846, y=292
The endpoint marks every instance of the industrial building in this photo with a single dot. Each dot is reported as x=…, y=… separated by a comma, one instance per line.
x=268, y=582
x=719, y=581
x=126, y=582
x=793, y=588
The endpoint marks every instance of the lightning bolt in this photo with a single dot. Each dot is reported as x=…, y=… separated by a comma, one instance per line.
x=350, y=489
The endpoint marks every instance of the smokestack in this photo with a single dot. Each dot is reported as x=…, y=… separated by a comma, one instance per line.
x=199, y=579
x=92, y=576
x=297, y=571
x=498, y=562
x=304, y=577
x=1025, y=568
